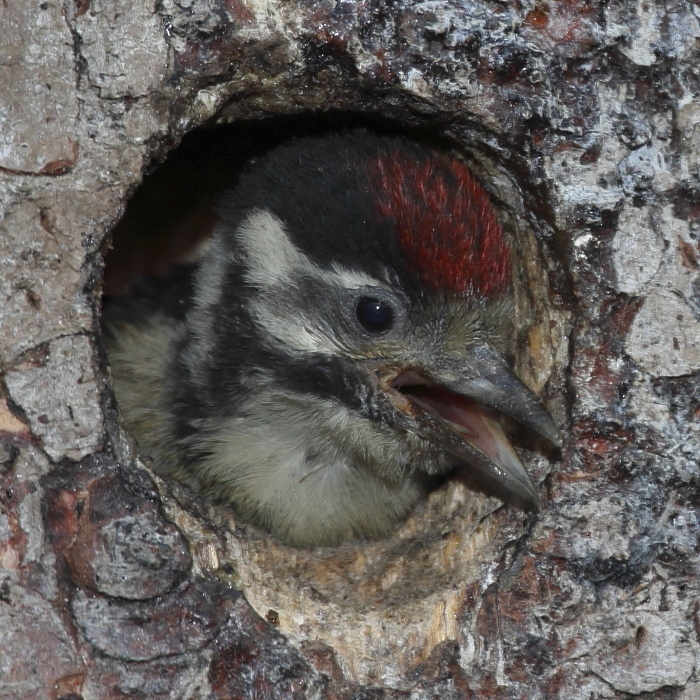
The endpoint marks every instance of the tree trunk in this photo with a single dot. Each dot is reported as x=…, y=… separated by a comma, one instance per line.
x=583, y=120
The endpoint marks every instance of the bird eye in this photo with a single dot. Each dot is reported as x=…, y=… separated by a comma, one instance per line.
x=374, y=315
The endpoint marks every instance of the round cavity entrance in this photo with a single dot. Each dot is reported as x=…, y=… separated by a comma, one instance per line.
x=381, y=605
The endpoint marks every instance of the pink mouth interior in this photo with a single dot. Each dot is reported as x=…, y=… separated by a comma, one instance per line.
x=473, y=421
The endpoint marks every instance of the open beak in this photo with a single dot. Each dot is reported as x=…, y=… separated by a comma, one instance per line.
x=456, y=413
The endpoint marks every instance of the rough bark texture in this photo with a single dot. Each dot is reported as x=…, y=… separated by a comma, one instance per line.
x=583, y=120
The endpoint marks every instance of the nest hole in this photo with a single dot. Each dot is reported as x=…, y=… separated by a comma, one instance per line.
x=410, y=587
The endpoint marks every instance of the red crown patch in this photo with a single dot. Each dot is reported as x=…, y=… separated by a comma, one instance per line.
x=445, y=223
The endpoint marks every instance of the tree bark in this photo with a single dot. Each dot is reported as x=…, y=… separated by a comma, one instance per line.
x=583, y=121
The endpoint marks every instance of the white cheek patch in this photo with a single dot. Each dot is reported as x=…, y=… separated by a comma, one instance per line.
x=270, y=257
x=291, y=328
x=272, y=264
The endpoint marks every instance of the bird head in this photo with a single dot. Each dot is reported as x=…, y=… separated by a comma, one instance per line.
x=370, y=275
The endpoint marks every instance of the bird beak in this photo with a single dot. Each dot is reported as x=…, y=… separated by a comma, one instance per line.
x=454, y=409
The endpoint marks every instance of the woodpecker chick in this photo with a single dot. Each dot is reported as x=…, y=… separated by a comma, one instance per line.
x=342, y=341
